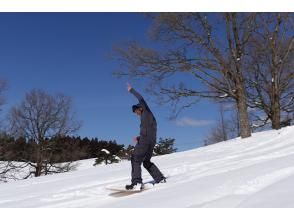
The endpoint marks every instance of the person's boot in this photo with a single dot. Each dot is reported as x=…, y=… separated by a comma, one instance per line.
x=163, y=180
x=135, y=187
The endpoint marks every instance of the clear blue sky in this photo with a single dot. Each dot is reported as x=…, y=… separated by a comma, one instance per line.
x=69, y=53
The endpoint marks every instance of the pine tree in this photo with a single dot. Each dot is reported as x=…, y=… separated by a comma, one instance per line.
x=106, y=157
x=164, y=146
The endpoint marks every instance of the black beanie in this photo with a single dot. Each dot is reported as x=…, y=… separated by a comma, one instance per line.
x=134, y=107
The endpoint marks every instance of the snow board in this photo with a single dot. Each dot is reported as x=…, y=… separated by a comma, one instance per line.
x=120, y=191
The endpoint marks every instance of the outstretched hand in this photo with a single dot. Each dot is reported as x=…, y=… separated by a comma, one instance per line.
x=136, y=139
x=129, y=87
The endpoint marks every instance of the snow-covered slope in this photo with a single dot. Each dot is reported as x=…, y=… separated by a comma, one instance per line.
x=254, y=172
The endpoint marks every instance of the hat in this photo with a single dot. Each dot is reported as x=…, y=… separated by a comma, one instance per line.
x=134, y=107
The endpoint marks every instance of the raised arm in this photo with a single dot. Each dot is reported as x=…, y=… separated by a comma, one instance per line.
x=139, y=97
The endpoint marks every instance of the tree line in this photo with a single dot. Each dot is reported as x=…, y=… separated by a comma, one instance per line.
x=58, y=153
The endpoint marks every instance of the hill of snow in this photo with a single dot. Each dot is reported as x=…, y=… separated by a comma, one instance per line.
x=254, y=172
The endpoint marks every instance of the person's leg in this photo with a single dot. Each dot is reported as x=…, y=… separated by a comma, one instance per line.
x=137, y=158
x=151, y=167
x=136, y=169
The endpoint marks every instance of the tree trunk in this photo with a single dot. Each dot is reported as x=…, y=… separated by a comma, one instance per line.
x=245, y=130
x=276, y=114
x=38, y=169
x=241, y=99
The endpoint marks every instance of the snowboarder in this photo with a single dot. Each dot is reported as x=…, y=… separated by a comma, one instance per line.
x=144, y=144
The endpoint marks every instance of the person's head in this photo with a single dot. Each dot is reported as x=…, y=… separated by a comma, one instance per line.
x=137, y=109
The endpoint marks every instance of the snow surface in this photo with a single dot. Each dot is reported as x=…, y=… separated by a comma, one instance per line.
x=253, y=172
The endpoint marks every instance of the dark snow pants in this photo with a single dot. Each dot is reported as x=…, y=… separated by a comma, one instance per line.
x=142, y=154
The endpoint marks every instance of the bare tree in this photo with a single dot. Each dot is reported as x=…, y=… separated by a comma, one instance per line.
x=38, y=118
x=225, y=128
x=271, y=64
x=202, y=47
x=8, y=167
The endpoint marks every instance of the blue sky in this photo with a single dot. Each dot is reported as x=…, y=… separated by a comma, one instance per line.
x=69, y=53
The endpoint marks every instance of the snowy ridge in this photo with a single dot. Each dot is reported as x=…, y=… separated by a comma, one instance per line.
x=254, y=172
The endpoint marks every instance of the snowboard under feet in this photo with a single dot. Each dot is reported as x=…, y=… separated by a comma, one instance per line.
x=121, y=191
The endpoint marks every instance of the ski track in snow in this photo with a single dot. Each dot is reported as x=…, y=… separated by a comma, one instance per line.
x=236, y=173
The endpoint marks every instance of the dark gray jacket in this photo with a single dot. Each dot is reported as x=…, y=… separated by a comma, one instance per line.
x=148, y=126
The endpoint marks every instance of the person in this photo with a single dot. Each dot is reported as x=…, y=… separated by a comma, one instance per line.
x=144, y=144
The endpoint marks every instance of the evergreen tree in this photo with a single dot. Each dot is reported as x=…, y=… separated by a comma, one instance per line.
x=106, y=157
x=164, y=146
